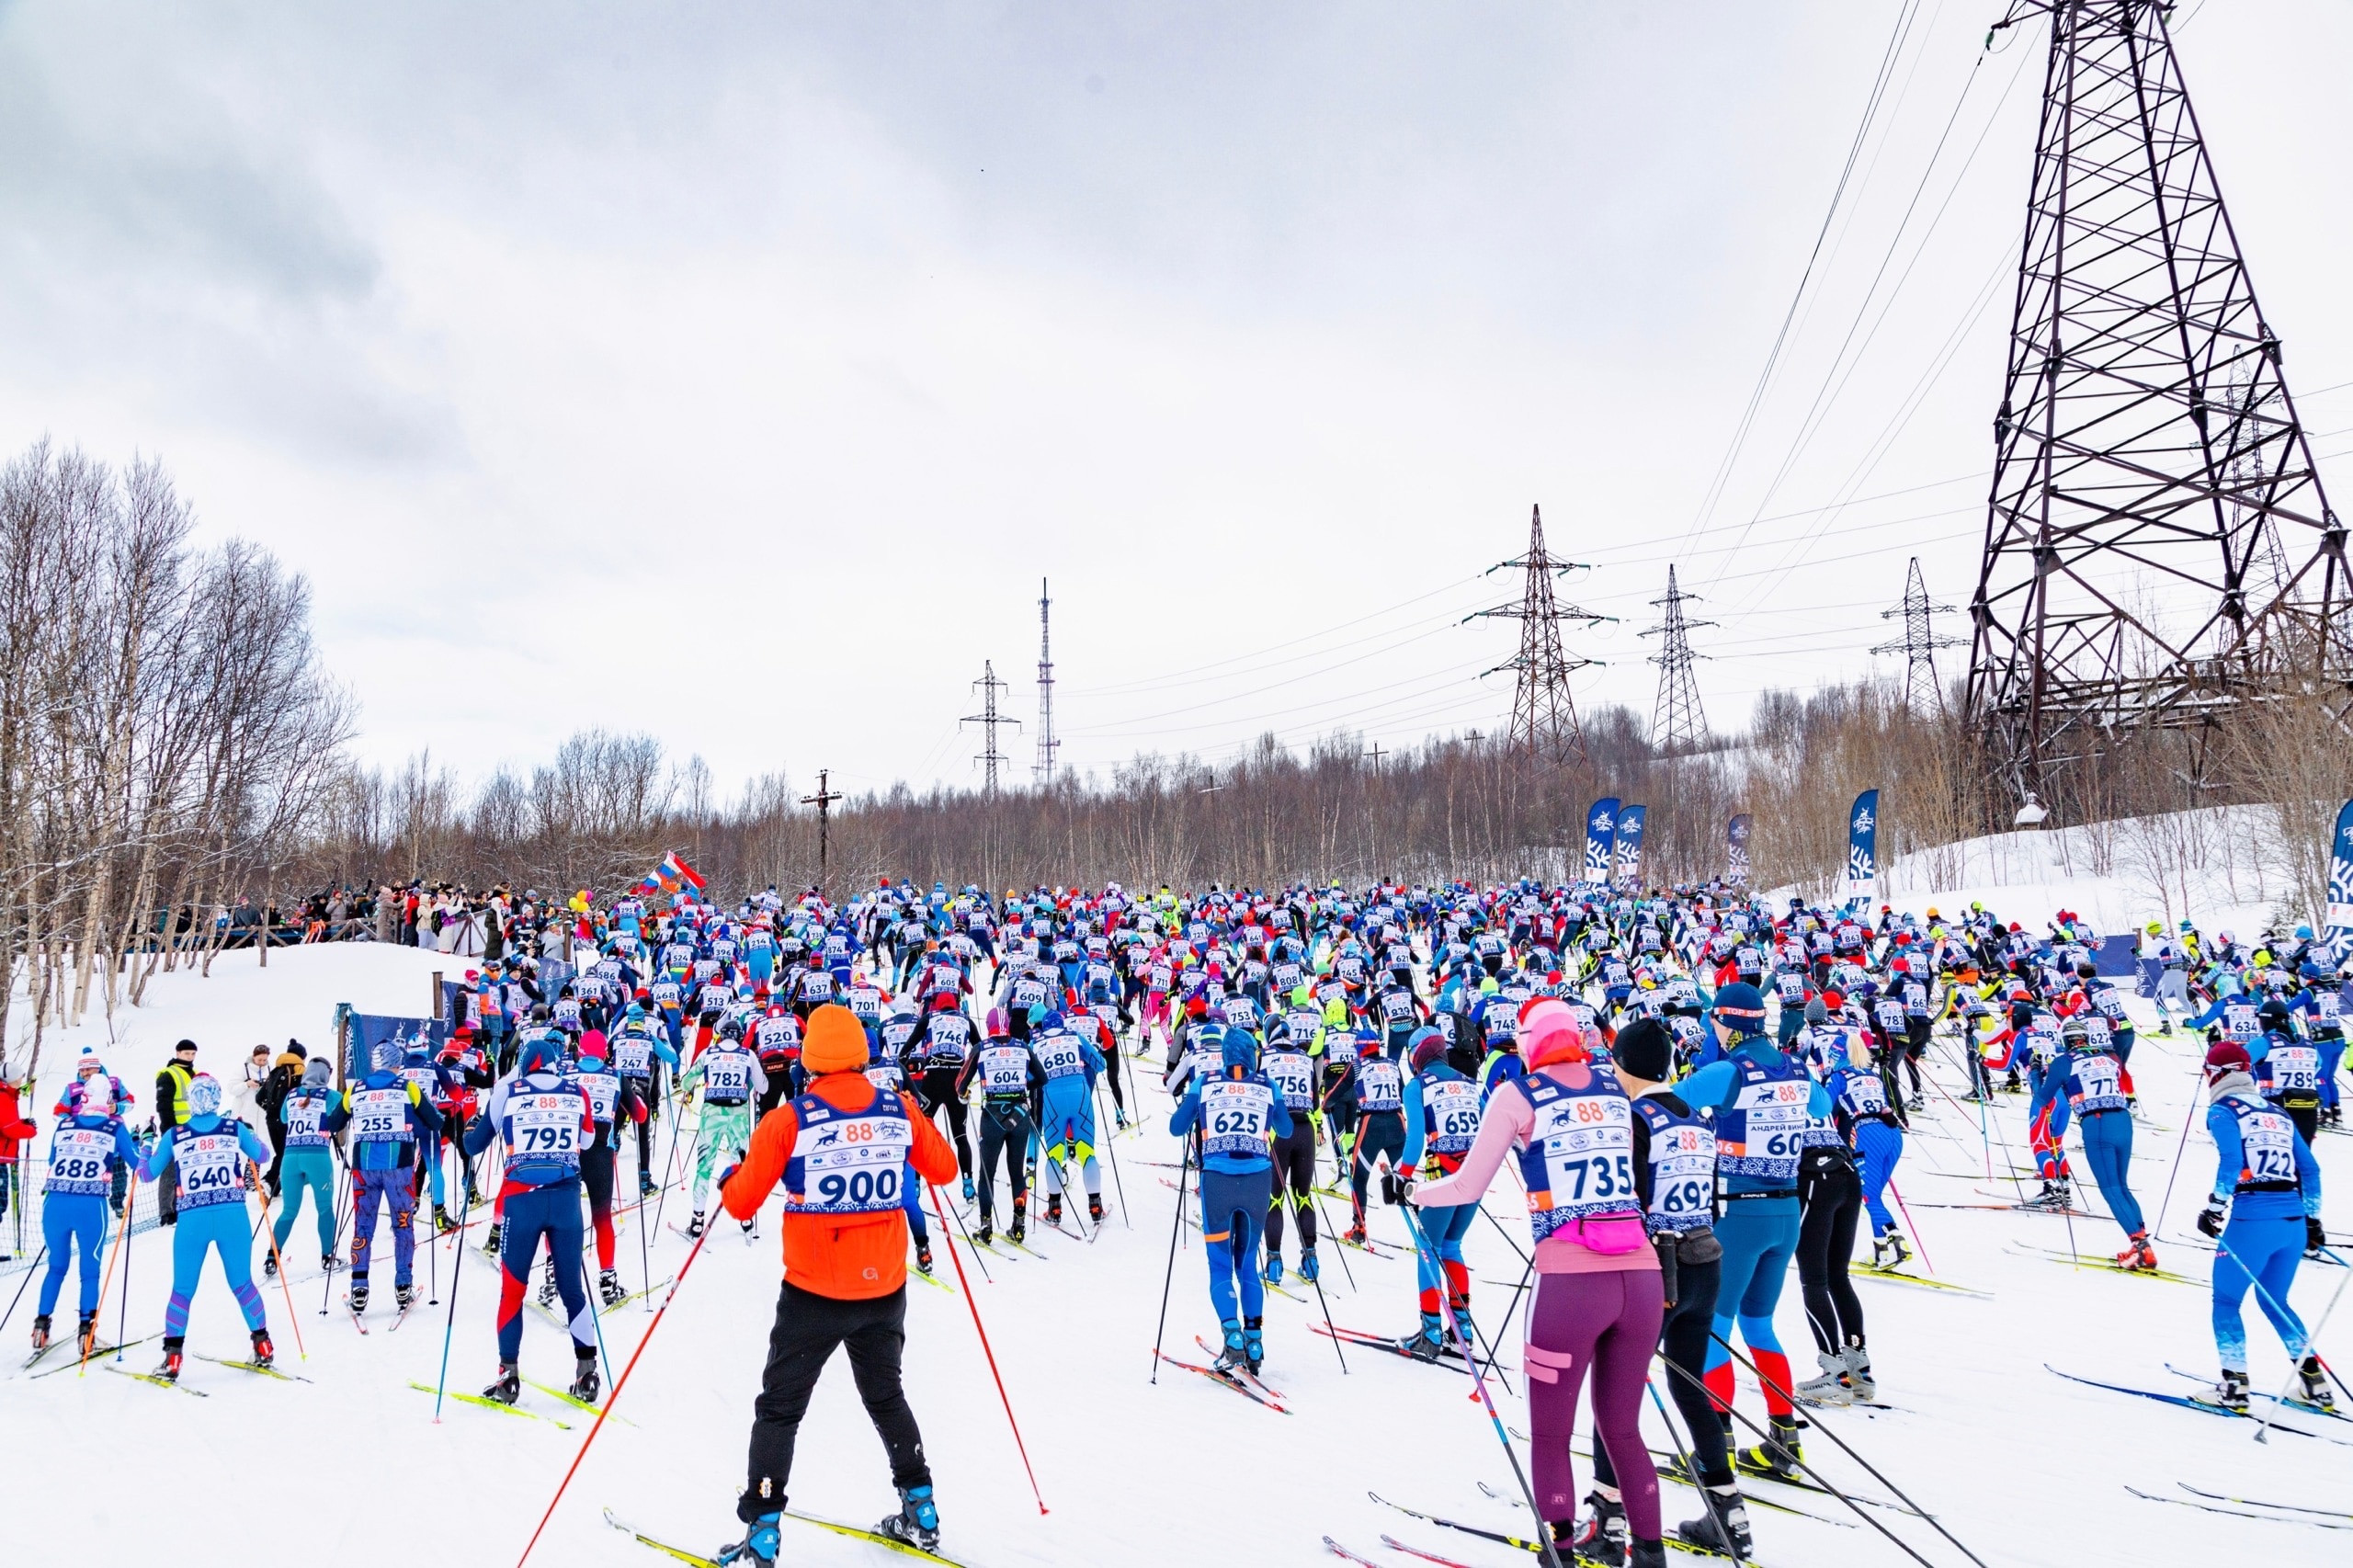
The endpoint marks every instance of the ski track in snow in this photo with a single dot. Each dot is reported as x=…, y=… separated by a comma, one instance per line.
x=2025, y=1467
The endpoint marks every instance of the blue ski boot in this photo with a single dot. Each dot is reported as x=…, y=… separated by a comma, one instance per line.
x=968, y=1190
x=1423, y=1344
x=1234, y=1358
x=1253, y=1346
x=1274, y=1267
x=917, y=1522
x=758, y=1545
x=1307, y=1265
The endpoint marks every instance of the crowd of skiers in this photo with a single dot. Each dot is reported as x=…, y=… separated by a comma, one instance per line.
x=1693, y=1089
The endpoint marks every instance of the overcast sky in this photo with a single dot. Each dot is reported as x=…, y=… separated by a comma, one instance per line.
x=735, y=372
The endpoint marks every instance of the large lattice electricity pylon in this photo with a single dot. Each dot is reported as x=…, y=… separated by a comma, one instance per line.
x=991, y=757
x=1922, y=693
x=1543, y=712
x=2157, y=543
x=1677, y=723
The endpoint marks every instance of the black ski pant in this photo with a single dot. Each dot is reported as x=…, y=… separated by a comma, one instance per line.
x=276, y=1151
x=1682, y=1343
x=937, y=1089
x=1295, y=1170
x=596, y=1180
x=1916, y=1046
x=1005, y=1132
x=1830, y=1200
x=1340, y=1116
x=1111, y=1077
x=808, y=1329
x=648, y=1089
x=1382, y=1132
x=2303, y=1109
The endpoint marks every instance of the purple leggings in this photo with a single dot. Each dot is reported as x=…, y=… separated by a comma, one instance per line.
x=1608, y=1325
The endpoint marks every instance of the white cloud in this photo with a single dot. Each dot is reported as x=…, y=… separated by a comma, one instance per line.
x=806, y=341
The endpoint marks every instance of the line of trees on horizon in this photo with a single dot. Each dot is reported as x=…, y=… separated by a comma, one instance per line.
x=169, y=742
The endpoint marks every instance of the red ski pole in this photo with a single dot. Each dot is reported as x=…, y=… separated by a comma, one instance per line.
x=616, y=1393
x=973, y=1302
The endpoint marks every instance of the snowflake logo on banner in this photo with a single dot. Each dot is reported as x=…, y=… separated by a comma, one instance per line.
x=1601, y=822
x=1863, y=821
x=1859, y=868
x=1740, y=833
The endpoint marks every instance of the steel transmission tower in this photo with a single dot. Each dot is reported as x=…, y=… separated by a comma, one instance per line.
x=1922, y=692
x=1543, y=713
x=1678, y=724
x=1042, y=770
x=988, y=719
x=2157, y=543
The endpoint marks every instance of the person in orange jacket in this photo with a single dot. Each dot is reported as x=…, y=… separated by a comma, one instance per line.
x=843, y=1148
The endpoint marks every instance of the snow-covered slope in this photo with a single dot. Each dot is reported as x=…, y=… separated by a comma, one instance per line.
x=350, y=1469
x=241, y=1005
x=2222, y=868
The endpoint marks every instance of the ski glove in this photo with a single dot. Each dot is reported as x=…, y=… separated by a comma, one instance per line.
x=2210, y=1219
x=2315, y=1234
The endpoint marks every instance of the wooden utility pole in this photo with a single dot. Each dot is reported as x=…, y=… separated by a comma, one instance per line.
x=824, y=801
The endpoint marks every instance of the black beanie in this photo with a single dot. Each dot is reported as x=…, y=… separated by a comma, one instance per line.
x=1645, y=1048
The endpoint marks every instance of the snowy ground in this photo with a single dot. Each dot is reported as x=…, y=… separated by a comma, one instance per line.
x=2222, y=866
x=2023, y=1467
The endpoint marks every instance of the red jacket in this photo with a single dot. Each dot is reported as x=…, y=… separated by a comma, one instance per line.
x=14, y=1129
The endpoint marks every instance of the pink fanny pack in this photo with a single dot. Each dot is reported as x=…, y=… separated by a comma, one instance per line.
x=1610, y=1237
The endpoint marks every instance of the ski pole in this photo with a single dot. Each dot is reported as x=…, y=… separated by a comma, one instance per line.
x=1517, y=1290
x=1339, y=1249
x=972, y=1302
x=1984, y=1107
x=2263, y=1432
x=1175, y=1224
x=327, y=1264
x=432, y=1257
x=253, y=1175
x=671, y=1171
x=2188, y=1115
x=1690, y=1468
x=1505, y=1231
x=122, y=1313
x=1853, y=1506
x=644, y=1255
x=1437, y=1268
x=1845, y=1448
x=607, y=1408
x=129, y=1209
x=596, y=1316
x=1913, y=1224
x=456, y=1268
x=1111, y=1144
x=1479, y=1390
x=967, y=1231
x=20, y=1290
x=1318, y=1283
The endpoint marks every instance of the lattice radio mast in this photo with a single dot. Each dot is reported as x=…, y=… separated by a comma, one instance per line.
x=2157, y=543
x=1922, y=693
x=1543, y=713
x=1042, y=770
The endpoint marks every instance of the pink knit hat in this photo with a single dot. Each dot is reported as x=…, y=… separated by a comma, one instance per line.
x=1549, y=1033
